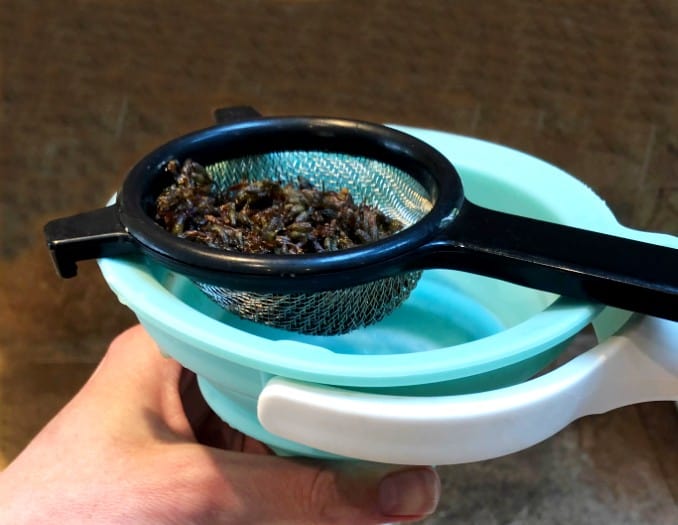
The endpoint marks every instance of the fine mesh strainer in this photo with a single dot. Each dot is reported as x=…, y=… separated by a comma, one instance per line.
x=334, y=292
x=335, y=311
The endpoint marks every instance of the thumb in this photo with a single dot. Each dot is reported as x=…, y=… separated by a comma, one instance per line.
x=285, y=490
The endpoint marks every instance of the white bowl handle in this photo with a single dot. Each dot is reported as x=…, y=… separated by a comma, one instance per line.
x=639, y=365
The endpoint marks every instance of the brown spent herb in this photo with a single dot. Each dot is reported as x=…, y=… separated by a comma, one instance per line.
x=265, y=216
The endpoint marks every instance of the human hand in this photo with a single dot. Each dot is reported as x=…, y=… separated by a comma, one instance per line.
x=138, y=445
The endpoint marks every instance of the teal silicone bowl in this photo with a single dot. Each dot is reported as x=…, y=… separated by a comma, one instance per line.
x=457, y=333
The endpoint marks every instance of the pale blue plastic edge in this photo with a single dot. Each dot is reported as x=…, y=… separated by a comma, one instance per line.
x=140, y=291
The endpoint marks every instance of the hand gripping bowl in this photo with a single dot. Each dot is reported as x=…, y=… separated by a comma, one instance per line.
x=445, y=378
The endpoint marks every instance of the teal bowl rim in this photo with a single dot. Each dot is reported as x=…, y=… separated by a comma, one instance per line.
x=136, y=287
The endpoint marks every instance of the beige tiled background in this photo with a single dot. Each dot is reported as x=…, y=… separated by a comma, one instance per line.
x=87, y=87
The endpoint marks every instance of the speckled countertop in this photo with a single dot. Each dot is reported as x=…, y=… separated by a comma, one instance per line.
x=87, y=87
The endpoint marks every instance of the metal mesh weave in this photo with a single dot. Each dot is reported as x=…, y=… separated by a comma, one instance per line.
x=392, y=190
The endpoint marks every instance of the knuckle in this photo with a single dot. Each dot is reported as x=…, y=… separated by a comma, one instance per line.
x=322, y=496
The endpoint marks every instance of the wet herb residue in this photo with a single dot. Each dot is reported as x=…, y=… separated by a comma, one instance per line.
x=266, y=216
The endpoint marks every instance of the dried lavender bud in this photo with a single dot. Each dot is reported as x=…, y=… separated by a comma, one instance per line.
x=265, y=216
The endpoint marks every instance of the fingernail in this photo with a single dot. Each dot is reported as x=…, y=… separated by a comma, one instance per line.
x=411, y=492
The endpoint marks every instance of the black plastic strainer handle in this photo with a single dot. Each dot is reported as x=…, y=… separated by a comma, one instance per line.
x=562, y=259
x=583, y=264
x=454, y=234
